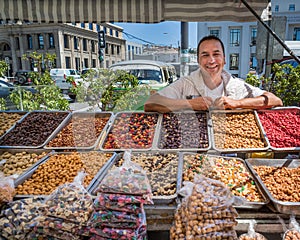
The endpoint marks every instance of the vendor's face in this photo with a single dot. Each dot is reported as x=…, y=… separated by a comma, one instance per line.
x=211, y=57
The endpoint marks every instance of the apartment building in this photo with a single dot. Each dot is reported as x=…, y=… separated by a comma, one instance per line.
x=75, y=45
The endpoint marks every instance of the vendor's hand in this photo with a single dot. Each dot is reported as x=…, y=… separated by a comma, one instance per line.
x=225, y=103
x=201, y=103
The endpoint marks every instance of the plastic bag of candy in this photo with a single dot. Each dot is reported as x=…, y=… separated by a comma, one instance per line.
x=128, y=179
x=7, y=188
x=252, y=234
x=293, y=231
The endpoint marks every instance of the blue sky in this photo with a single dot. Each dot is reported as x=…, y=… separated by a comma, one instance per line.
x=164, y=33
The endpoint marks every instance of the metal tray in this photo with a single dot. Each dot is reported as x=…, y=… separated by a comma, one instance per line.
x=282, y=110
x=22, y=113
x=42, y=144
x=112, y=126
x=81, y=115
x=29, y=173
x=245, y=204
x=159, y=137
x=280, y=206
x=164, y=199
x=234, y=150
x=36, y=151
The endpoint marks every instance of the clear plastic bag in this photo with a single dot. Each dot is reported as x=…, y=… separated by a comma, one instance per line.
x=130, y=178
x=7, y=188
x=293, y=231
x=251, y=234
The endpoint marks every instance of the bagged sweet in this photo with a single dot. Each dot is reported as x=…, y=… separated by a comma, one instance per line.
x=251, y=234
x=293, y=232
x=128, y=179
x=7, y=189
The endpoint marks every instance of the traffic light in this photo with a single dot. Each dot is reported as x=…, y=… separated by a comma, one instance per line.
x=101, y=55
x=101, y=39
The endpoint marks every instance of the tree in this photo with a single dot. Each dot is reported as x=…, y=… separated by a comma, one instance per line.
x=284, y=82
x=47, y=96
x=112, y=90
x=3, y=68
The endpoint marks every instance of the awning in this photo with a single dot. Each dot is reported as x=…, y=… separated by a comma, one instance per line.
x=138, y=11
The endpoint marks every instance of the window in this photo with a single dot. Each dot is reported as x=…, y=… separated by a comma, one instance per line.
x=296, y=36
x=93, y=45
x=51, y=40
x=214, y=32
x=292, y=7
x=106, y=49
x=276, y=8
x=82, y=25
x=17, y=41
x=66, y=41
x=41, y=41
x=105, y=29
x=117, y=33
x=29, y=42
x=118, y=50
x=84, y=44
x=112, y=49
x=20, y=63
x=98, y=27
x=253, y=36
x=90, y=26
x=77, y=63
x=76, y=43
x=111, y=32
x=253, y=61
x=68, y=62
x=94, y=63
x=235, y=37
x=234, y=61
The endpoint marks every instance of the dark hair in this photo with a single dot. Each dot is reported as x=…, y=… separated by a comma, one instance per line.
x=209, y=37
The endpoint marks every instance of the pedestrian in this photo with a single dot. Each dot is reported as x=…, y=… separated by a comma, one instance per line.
x=210, y=86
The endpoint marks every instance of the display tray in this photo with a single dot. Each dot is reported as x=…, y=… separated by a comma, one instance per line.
x=134, y=131
x=31, y=129
x=281, y=126
x=74, y=134
x=232, y=171
x=67, y=174
x=183, y=131
x=21, y=155
x=285, y=207
x=7, y=124
x=242, y=129
x=167, y=162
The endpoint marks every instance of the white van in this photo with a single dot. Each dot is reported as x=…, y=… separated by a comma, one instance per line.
x=154, y=73
x=59, y=76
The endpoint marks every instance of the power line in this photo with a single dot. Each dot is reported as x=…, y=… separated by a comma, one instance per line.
x=132, y=36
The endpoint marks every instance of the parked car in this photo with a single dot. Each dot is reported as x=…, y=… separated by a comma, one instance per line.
x=154, y=73
x=22, y=77
x=60, y=75
x=7, y=88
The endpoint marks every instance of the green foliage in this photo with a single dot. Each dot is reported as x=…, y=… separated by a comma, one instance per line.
x=3, y=68
x=284, y=83
x=3, y=104
x=112, y=90
x=47, y=96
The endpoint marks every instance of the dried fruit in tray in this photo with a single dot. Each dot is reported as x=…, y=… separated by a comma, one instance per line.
x=236, y=130
x=281, y=127
x=131, y=131
x=8, y=119
x=230, y=171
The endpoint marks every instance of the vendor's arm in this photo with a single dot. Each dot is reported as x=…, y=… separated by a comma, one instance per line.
x=158, y=103
x=264, y=101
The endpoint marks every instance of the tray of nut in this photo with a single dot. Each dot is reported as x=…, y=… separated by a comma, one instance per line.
x=131, y=130
x=231, y=171
x=19, y=161
x=163, y=171
x=34, y=129
x=83, y=131
x=184, y=131
x=59, y=168
x=237, y=131
x=8, y=119
x=280, y=179
x=281, y=126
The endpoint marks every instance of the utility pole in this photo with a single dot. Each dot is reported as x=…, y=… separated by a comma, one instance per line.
x=184, y=57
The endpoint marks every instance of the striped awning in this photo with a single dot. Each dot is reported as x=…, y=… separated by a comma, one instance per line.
x=138, y=11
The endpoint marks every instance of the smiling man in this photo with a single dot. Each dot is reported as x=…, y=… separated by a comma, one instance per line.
x=210, y=86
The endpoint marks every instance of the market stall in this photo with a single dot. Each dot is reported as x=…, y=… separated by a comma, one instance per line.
x=234, y=147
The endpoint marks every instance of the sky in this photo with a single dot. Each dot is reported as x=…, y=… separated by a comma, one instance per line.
x=164, y=33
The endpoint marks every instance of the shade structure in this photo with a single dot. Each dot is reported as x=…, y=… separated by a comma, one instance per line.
x=138, y=11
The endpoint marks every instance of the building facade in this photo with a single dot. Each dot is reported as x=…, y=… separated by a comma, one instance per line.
x=75, y=45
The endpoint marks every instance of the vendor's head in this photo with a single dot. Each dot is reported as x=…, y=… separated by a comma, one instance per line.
x=211, y=54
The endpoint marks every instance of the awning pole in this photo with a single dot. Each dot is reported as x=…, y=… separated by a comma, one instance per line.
x=272, y=32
